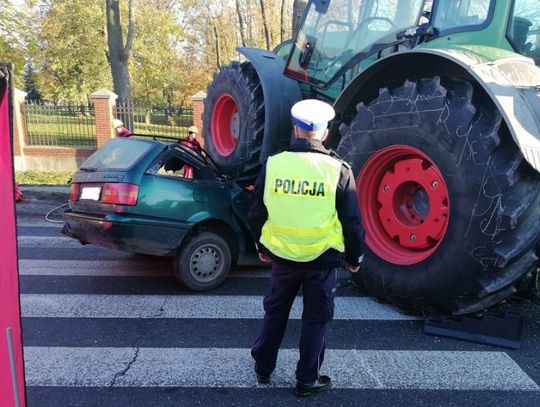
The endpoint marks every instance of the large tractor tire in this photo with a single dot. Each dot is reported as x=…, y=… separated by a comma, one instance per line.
x=450, y=208
x=234, y=121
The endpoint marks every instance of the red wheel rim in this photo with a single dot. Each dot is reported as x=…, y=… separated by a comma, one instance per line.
x=404, y=203
x=225, y=124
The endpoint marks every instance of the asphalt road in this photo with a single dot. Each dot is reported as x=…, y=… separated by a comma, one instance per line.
x=105, y=328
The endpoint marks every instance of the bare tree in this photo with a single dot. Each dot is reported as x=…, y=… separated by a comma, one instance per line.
x=218, y=49
x=119, y=52
x=265, y=25
x=249, y=14
x=282, y=22
x=299, y=7
x=241, y=23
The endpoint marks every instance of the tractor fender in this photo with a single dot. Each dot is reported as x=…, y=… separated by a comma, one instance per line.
x=512, y=83
x=280, y=94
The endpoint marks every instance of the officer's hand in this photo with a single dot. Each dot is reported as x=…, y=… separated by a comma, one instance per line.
x=265, y=258
x=351, y=269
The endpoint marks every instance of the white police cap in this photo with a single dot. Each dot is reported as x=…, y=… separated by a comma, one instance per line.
x=312, y=114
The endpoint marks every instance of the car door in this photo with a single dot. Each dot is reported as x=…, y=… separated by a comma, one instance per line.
x=181, y=187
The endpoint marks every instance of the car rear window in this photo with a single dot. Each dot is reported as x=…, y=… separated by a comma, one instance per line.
x=117, y=154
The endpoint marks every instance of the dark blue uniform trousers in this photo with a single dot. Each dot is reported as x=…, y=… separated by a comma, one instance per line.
x=318, y=288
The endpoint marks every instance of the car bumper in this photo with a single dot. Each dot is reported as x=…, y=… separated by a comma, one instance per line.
x=125, y=233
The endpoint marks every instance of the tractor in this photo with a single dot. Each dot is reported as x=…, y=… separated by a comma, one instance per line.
x=438, y=113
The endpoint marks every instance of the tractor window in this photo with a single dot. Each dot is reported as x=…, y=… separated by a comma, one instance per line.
x=334, y=32
x=524, y=28
x=461, y=15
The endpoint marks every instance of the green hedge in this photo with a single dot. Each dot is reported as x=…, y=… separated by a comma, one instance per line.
x=43, y=177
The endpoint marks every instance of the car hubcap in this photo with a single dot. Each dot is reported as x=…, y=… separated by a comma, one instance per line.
x=404, y=203
x=225, y=124
x=206, y=263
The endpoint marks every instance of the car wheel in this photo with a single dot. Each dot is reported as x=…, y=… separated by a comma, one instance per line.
x=203, y=262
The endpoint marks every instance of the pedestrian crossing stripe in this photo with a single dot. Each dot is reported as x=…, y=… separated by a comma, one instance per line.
x=233, y=368
x=48, y=241
x=156, y=267
x=188, y=306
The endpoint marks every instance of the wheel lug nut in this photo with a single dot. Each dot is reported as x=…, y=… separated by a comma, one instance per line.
x=412, y=238
x=434, y=184
x=386, y=188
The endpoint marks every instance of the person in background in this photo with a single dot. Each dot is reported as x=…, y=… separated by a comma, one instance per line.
x=191, y=142
x=120, y=130
x=306, y=220
x=18, y=193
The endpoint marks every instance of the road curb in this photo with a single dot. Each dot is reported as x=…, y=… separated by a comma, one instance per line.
x=55, y=193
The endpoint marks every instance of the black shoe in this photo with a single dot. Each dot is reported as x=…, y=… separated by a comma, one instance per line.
x=262, y=379
x=307, y=389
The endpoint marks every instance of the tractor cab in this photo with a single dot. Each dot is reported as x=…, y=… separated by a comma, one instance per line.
x=338, y=39
x=523, y=30
x=336, y=36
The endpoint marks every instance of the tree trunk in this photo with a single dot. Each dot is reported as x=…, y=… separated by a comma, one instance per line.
x=241, y=23
x=218, y=52
x=249, y=21
x=265, y=25
x=118, y=52
x=299, y=6
x=282, y=22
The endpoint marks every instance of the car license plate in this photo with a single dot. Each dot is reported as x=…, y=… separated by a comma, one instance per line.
x=91, y=193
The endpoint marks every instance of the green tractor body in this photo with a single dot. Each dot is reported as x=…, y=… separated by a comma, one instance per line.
x=437, y=111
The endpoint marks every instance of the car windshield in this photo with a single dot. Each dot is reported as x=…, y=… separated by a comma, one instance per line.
x=335, y=31
x=524, y=28
x=117, y=154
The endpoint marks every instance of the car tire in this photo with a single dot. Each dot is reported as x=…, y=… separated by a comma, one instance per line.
x=203, y=262
x=233, y=120
x=480, y=247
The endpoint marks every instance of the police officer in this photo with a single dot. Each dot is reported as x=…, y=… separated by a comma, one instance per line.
x=305, y=217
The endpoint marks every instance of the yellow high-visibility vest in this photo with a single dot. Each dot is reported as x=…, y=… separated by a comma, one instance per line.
x=300, y=196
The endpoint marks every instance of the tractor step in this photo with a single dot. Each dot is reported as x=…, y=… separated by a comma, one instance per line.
x=491, y=329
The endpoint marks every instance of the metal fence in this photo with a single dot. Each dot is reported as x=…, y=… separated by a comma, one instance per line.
x=171, y=121
x=60, y=125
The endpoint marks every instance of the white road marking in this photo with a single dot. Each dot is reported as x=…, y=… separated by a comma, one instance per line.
x=114, y=268
x=233, y=368
x=145, y=267
x=48, y=241
x=187, y=306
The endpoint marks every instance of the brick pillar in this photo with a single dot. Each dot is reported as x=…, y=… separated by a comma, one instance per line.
x=19, y=129
x=104, y=101
x=197, y=103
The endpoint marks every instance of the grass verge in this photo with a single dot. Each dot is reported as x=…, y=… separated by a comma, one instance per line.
x=43, y=177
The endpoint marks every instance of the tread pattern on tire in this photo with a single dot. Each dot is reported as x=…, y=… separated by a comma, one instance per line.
x=498, y=205
x=242, y=82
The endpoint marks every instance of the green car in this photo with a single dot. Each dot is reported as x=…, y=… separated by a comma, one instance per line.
x=131, y=195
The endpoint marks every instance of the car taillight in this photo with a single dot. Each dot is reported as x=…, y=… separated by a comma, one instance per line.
x=74, y=192
x=121, y=194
